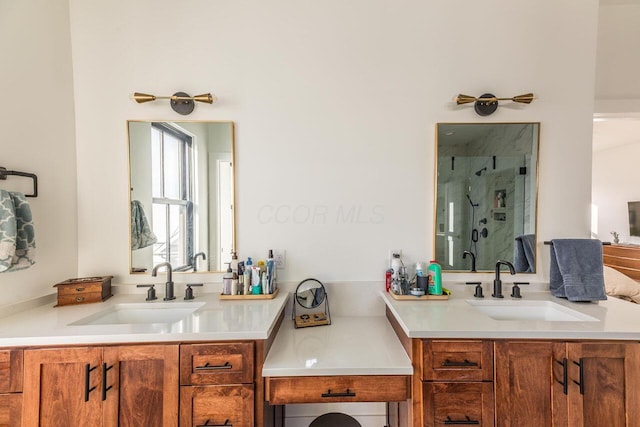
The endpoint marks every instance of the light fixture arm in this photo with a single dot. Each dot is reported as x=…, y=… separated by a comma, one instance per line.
x=181, y=103
x=487, y=103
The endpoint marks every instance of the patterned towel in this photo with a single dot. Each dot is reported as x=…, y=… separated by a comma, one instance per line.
x=8, y=230
x=25, y=255
x=141, y=234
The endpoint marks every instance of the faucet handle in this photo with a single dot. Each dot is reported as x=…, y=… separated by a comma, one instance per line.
x=515, y=290
x=478, y=292
x=151, y=293
x=188, y=293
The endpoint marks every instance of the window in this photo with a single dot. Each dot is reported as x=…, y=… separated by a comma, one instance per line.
x=172, y=191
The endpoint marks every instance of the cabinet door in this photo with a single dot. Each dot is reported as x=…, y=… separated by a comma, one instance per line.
x=141, y=385
x=216, y=405
x=604, y=384
x=529, y=384
x=458, y=404
x=62, y=383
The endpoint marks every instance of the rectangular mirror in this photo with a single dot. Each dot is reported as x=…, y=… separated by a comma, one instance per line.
x=486, y=195
x=182, y=211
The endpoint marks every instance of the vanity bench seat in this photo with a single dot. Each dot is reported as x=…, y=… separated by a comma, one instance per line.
x=355, y=359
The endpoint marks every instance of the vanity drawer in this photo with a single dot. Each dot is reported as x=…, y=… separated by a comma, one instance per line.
x=10, y=371
x=362, y=388
x=225, y=363
x=217, y=405
x=457, y=360
x=10, y=410
x=79, y=299
x=458, y=403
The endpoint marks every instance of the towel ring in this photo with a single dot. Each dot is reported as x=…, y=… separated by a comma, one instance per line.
x=4, y=173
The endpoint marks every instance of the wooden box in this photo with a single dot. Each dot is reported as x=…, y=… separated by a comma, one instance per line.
x=84, y=290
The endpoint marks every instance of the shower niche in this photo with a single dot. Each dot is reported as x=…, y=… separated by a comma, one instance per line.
x=486, y=194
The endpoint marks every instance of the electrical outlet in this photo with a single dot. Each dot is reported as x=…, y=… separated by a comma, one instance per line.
x=279, y=257
x=394, y=251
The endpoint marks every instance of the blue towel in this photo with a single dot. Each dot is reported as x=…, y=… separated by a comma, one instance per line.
x=141, y=234
x=524, y=257
x=576, y=271
x=17, y=233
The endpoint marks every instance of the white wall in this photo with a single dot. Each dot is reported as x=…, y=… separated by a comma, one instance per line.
x=615, y=182
x=335, y=104
x=37, y=136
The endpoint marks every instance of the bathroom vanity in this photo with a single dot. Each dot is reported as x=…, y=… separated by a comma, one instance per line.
x=202, y=369
x=509, y=370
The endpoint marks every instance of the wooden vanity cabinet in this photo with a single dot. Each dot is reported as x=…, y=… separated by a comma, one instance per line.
x=567, y=384
x=457, y=382
x=101, y=386
x=217, y=384
x=10, y=387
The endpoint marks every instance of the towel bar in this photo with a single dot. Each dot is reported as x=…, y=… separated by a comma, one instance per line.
x=548, y=242
x=4, y=173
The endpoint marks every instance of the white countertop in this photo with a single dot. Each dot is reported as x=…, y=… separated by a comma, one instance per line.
x=349, y=346
x=214, y=320
x=456, y=318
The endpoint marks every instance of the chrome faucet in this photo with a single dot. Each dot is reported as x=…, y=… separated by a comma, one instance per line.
x=497, y=283
x=195, y=259
x=168, y=286
x=473, y=259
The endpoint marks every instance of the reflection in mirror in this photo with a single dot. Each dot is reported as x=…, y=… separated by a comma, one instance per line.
x=310, y=294
x=182, y=195
x=486, y=195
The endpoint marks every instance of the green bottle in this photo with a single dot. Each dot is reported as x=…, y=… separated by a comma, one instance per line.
x=435, y=278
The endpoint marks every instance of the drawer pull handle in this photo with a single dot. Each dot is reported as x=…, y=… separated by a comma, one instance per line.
x=449, y=363
x=208, y=367
x=206, y=424
x=345, y=394
x=79, y=289
x=87, y=380
x=564, y=383
x=468, y=421
x=79, y=299
x=581, y=382
x=105, y=389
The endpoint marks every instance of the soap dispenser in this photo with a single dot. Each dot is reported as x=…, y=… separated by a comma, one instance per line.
x=227, y=280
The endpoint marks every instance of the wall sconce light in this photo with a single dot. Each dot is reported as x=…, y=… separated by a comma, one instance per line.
x=487, y=103
x=181, y=102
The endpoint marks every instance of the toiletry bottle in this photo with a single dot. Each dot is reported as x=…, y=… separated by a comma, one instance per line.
x=265, y=283
x=435, y=278
x=256, y=288
x=247, y=276
x=419, y=272
x=227, y=280
x=234, y=262
x=234, y=284
x=271, y=273
x=396, y=263
x=241, y=278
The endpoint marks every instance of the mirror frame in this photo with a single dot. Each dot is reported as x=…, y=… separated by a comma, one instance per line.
x=233, y=188
x=535, y=149
x=321, y=286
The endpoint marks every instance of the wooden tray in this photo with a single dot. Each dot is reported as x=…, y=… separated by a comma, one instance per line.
x=250, y=296
x=422, y=298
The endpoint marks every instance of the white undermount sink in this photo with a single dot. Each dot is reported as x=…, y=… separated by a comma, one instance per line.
x=136, y=313
x=547, y=311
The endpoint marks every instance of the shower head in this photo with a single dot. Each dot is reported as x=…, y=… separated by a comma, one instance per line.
x=478, y=173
